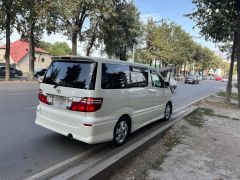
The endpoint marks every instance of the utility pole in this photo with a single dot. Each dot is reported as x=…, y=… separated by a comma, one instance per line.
x=133, y=54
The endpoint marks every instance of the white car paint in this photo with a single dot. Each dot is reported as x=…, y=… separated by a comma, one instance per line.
x=142, y=104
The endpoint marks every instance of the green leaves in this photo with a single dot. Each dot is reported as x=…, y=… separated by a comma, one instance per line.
x=120, y=31
x=55, y=49
x=216, y=19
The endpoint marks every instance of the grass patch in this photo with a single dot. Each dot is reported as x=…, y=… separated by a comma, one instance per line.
x=223, y=94
x=196, y=117
x=158, y=161
x=170, y=140
x=221, y=104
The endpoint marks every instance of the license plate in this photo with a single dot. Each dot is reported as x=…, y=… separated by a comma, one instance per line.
x=59, y=101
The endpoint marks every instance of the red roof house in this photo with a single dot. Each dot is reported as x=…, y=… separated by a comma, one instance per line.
x=19, y=55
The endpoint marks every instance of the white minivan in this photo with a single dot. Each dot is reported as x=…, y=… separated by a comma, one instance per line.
x=95, y=100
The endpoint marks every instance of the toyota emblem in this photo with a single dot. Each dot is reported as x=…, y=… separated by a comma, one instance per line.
x=58, y=91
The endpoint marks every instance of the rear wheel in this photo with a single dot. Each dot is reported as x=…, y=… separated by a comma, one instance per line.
x=15, y=76
x=168, y=112
x=121, y=131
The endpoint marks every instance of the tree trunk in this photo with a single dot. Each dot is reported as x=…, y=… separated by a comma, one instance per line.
x=150, y=63
x=93, y=38
x=229, y=84
x=184, y=70
x=123, y=53
x=7, y=51
x=31, y=50
x=74, y=43
x=238, y=48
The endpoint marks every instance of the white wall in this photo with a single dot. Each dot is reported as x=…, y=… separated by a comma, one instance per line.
x=42, y=61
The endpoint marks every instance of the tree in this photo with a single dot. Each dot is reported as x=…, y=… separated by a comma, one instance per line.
x=8, y=11
x=55, y=49
x=220, y=22
x=44, y=45
x=168, y=43
x=72, y=15
x=120, y=31
x=59, y=48
x=35, y=17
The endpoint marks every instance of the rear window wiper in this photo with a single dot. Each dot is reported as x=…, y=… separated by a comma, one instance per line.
x=60, y=83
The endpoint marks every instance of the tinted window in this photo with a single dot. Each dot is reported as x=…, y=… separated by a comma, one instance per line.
x=73, y=74
x=139, y=76
x=115, y=76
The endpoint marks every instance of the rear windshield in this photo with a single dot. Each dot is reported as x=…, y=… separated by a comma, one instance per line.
x=75, y=74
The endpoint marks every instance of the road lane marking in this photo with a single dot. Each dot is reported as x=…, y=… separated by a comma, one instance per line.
x=18, y=94
x=63, y=163
x=29, y=108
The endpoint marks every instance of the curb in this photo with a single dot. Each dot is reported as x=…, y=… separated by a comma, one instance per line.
x=103, y=169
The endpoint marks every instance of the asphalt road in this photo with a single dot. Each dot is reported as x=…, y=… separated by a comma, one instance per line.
x=26, y=149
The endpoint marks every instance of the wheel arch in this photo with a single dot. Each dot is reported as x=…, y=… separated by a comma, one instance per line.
x=170, y=103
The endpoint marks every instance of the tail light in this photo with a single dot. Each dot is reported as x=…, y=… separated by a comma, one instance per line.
x=87, y=104
x=42, y=97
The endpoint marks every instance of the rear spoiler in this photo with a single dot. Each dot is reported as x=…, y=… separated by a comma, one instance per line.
x=73, y=58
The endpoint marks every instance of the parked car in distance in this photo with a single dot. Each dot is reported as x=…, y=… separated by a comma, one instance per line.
x=210, y=78
x=179, y=77
x=204, y=78
x=224, y=79
x=40, y=72
x=96, y=100
x=13, y=72
x=218, y=78
x=191, y=80
x=199, y=78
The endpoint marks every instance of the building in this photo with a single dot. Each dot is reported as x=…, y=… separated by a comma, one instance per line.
x=19, y=56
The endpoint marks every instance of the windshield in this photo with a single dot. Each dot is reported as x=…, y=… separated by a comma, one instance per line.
x=75, y=74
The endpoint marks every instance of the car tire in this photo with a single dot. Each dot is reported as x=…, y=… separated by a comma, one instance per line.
x=172, y=89
x=167, y=112
x=121, y=131
x=15, y=75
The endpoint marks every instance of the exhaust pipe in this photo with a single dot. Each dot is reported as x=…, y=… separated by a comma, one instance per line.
x=70, y=136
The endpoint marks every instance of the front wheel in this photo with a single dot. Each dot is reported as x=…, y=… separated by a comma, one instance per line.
x=121, y=132
x=168, y=112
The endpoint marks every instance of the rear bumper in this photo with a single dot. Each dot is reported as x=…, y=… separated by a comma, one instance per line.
x=88, y=134
x=189, y=81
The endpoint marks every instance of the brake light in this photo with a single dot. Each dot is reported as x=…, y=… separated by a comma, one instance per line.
x=87, y=104
x=42, y=97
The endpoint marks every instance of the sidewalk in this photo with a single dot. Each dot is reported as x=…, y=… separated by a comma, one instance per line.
x=203, y=146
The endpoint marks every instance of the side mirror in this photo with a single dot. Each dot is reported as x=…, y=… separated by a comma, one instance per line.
x=166, y=84
x=40, y=79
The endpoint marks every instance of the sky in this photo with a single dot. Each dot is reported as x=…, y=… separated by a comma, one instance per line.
x=172, y=10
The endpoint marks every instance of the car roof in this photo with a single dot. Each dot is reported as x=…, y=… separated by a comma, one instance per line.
x=96, y=59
